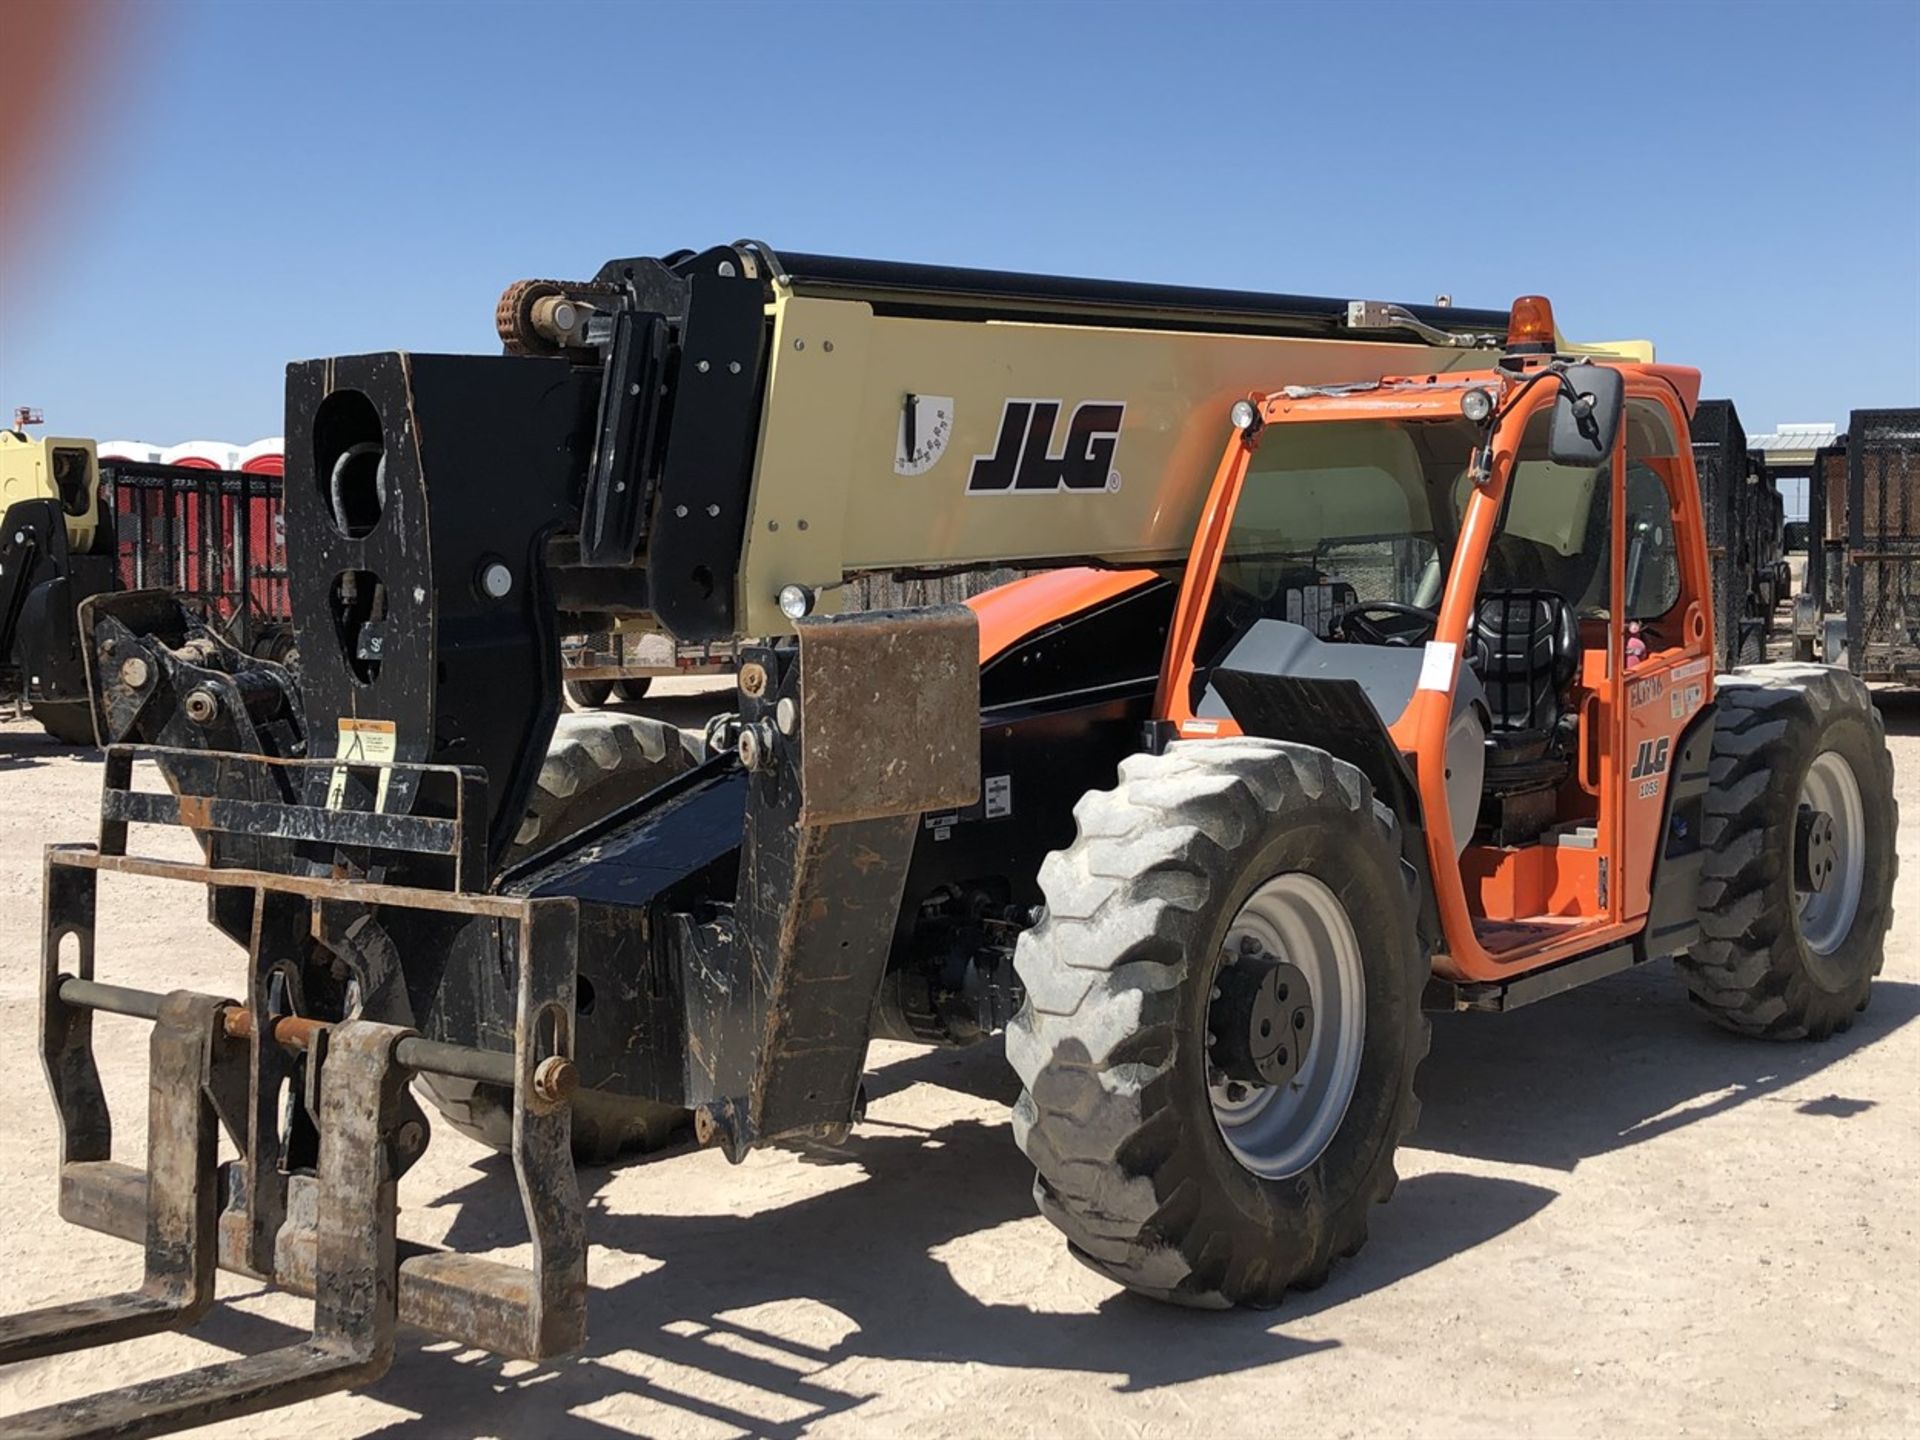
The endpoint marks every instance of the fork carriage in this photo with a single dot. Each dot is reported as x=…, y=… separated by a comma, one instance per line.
x=319, y=1113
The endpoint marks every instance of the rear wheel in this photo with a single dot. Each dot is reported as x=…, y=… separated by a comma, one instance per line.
x=596, y=763
x=1222, y=1022
x=1797, y=890
x=632, y=689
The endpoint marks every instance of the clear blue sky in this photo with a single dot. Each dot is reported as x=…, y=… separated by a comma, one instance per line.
x=261, y=182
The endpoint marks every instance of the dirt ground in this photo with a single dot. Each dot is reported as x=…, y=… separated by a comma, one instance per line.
x=1613, y=1219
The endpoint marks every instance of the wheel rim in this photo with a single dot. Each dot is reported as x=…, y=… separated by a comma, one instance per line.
x=1827, y=913
x=1277, y=1131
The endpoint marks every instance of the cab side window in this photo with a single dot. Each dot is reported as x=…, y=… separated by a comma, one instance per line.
x=1653, y=557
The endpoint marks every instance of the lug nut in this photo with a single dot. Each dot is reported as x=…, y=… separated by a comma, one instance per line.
x=555, y=1079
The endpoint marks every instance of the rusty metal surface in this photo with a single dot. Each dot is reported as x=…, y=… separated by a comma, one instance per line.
x=320, y=1220
x=888, y=713
x=181, y=1203
x=425, y=833
x=555, y=1312
x=354, y=1269
x=66, y=1034
x=85, y=857
x=554, y=1080
x=864, y=724
x=247, y=796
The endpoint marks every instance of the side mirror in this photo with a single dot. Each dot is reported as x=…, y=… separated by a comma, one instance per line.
x=1583, y=431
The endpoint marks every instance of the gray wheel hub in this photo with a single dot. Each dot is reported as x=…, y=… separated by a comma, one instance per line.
x=1829, y=853
x=1286, y=1022
x=1260, y=1018
x=1813, y=851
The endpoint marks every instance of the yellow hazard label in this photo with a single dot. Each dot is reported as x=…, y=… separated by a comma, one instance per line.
x=363, y=742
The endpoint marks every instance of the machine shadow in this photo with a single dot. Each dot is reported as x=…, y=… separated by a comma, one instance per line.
x=1612, y=1064
x=23, y=749
x=870, y=1253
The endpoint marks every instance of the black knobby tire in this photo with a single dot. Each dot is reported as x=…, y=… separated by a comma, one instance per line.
x=1111, y=1041
x=68, y=721
x=1753, y=645
x=1753, y=970
x=631, y=690
x=277, y=643
x=587, y=694
x=596, y=763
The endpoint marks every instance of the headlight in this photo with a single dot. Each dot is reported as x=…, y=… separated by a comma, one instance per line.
x=1243, y=415
x=1476, y=405
x=796, y=601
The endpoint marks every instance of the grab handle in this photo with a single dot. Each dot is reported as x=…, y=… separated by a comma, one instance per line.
x=1588, y=770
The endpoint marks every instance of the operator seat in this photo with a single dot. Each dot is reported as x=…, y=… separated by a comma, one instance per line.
x=1526, y=646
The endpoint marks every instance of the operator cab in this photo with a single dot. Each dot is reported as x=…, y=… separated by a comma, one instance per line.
x=1334, y=568
x=1335, y=565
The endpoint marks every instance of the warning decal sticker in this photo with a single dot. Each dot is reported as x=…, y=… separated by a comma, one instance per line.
x=363, y=742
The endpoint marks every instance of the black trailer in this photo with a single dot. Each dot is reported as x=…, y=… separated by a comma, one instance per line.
x=1744, y=545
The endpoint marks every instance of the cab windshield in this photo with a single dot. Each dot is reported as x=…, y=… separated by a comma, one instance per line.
x=1339, y=514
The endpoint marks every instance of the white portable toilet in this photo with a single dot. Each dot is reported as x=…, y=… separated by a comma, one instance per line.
x=137, y=450
x=264, y=457
x=202, y=455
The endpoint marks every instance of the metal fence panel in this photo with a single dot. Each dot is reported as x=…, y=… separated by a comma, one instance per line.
x=1882, y=529
x=214, y=535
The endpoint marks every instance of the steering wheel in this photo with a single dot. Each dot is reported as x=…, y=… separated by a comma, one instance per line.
x=1351, y=622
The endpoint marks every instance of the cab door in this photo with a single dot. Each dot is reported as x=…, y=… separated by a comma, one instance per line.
x=1663, y=655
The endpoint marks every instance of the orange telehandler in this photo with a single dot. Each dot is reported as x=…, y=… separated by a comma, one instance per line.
x=1368, y=669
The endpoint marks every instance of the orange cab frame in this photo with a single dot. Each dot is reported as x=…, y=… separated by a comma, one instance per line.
x=1622, y=706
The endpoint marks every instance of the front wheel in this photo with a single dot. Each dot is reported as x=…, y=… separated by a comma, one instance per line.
x=1222, y=1022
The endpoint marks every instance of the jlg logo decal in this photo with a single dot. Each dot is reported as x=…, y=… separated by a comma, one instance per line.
x=1023, y=461
x=1649, y=765
x=1652, y=759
